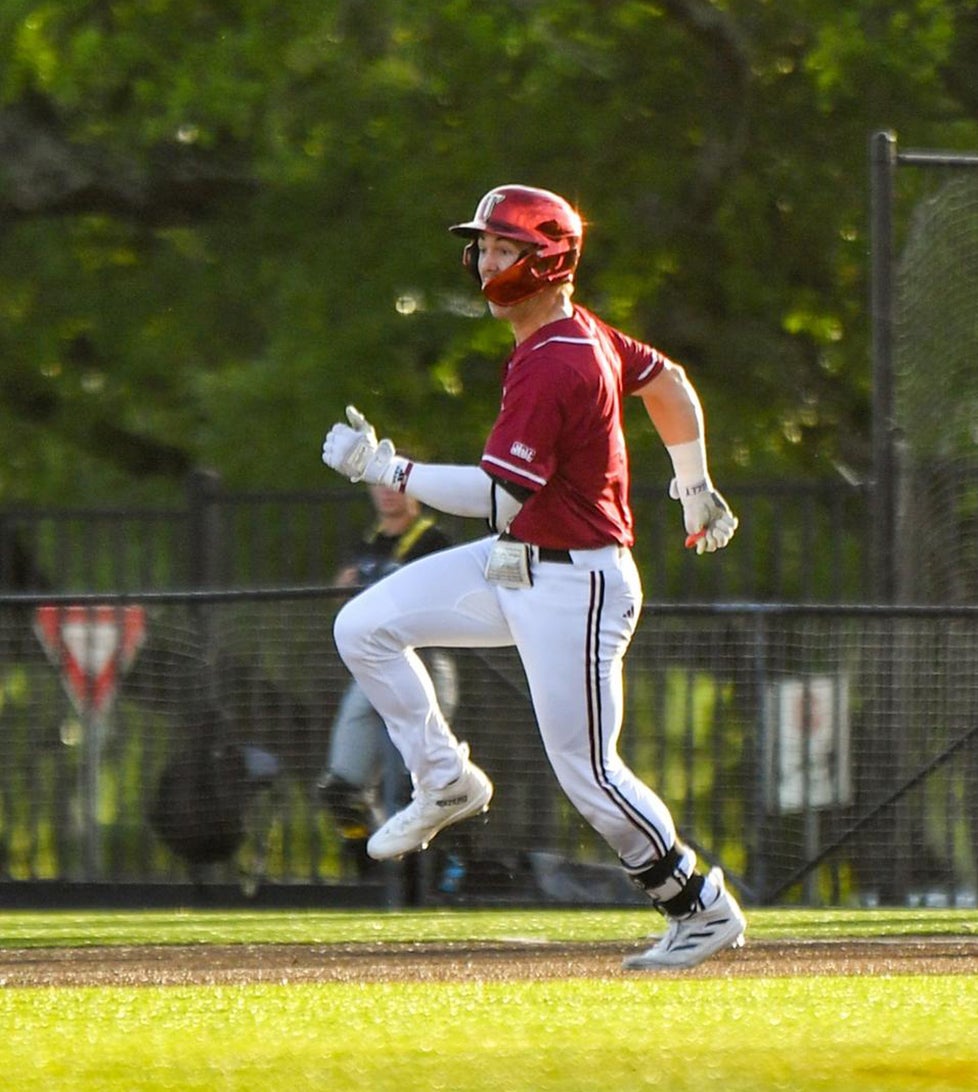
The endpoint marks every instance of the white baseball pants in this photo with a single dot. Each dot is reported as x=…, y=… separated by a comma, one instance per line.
x=571, y=630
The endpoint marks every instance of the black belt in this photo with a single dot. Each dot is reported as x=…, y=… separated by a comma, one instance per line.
x=544, y=553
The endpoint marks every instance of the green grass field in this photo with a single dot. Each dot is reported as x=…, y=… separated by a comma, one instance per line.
x=798, y=1034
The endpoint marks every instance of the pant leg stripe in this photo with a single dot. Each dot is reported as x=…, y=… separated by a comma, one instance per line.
x=595, y=724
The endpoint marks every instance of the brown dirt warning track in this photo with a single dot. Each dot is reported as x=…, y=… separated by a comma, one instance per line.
x=496, y=961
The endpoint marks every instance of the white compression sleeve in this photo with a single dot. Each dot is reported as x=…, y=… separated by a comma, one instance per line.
x=457, y=490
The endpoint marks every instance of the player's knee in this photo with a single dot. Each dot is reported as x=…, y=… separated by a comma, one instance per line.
x=360, y=635
x=349, y=632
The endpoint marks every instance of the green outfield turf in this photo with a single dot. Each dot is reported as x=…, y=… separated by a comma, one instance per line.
x=797, y=1034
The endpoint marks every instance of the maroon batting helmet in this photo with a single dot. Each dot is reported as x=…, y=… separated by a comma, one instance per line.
x=549, y=226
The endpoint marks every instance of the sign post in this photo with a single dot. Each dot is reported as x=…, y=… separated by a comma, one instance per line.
x=92, y=646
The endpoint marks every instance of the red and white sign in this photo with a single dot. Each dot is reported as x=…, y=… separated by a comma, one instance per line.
x=93, y=646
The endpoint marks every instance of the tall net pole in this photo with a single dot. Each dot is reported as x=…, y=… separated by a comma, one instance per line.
x=882, y=166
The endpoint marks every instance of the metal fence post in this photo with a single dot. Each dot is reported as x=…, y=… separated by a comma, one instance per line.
x=206, y=570
x=764, y=789
x=204, y=529
x=883, y=158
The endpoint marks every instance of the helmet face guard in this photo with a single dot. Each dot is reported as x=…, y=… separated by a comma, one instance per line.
x=525, y=277
x=545, y=223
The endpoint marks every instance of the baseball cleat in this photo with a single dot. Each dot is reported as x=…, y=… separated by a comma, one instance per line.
x=429, y=812
x=689, y=941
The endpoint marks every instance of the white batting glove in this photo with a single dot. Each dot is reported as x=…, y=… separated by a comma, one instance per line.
x=354, y=451
x=709, y=523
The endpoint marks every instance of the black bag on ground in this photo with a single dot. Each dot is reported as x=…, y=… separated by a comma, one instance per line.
x=199, y=811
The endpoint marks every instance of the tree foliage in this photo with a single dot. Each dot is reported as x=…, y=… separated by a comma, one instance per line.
x=221, y=222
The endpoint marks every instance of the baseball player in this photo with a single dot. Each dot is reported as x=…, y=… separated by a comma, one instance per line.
x=555, y=578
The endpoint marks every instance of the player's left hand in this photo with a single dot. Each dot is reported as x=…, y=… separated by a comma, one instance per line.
x=354, y=451
x=710, y=524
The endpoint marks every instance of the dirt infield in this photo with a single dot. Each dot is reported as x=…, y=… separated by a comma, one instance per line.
x=212, y=964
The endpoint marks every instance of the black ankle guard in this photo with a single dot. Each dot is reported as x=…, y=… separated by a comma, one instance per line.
x=657, y=874
x=685, y=902
x=660, y=873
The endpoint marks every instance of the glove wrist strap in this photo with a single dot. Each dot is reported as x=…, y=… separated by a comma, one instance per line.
x=397, y=472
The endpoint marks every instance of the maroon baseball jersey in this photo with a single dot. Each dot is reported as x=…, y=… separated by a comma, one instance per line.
x=559, y=431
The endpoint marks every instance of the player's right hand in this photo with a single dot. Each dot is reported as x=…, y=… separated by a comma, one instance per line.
x=354, y=451
x=710, y=525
